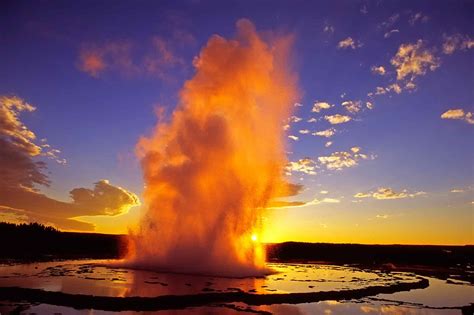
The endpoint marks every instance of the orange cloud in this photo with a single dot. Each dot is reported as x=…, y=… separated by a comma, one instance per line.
x=91, y=62
x=95, y=59
x=123, y=57
x=413, y=60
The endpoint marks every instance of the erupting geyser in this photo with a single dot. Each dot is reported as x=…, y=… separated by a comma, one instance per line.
x=212, y=169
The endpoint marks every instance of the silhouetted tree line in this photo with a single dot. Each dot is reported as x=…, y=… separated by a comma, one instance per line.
x=34, y=241
x=427, y=255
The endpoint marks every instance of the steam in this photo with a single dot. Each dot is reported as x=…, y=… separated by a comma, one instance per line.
x=212, y=169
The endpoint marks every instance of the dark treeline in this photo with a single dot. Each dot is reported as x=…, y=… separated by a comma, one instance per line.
x=427, y=255
x=38, y=242
x=35, y=241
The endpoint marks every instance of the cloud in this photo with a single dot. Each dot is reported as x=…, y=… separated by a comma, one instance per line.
x=337, y=119
x=328, y=29
x=380, y=90
x=328, y=144
x=278, y=204
x=290, y=189
x=295, y=119
x=457, y=190
x=388, y=193
x=318, y=106
x=348, y=43
x=352, y=106
x=369, y=105
x=103, y=199
x=457, y=42
x=390, y=21
x=161, y=59
x=312, y=119
x=294, y=138
x=305, y=165
x=413, y=60
x=304, y=131
x=394, y=87
x=300, y=204
x=343, y=159
x=19, y=148
x=124, y=57
x=383, y=193
x=378, y=70
x=390, y=33
x=458, y=114
x=21, y=173
x=418, y=17
x=91, y=62
x=325, y=133
x=362, y=195
x=95, y=59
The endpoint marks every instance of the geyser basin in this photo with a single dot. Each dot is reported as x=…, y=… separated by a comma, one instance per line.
x=93, y=285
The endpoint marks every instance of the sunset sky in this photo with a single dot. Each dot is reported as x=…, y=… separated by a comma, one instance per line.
x=381, y=140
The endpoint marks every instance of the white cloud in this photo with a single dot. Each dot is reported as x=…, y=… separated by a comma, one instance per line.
x=325, y=133
x=328, y=29
x=390, y=33
x=295, y=119
x=383, y=193
x=349, y=43
x=328, y=144
x=304, y=131
x=394, y=87
x=312, y=119
x=378, y=70
x=306, y=166
x=362, y=195
x=294, y=138
x=343, y=159
x=318, y=106
x=369, y=105
x=458, y=114
x=418, y=17
x=390, y=21
x=457, y=42
x=352, y=106
x=337, y=119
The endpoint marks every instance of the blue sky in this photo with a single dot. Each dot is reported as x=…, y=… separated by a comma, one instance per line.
x=95, y=116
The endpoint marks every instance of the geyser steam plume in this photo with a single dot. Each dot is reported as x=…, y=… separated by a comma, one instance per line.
x=211, y=170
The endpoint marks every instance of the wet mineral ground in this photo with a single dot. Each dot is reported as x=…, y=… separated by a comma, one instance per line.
x=103, y=287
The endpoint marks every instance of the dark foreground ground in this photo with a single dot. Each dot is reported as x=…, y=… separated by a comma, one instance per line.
x=35, y=242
